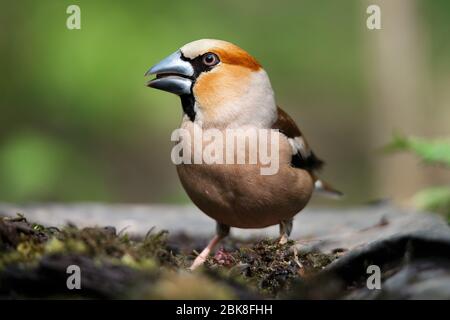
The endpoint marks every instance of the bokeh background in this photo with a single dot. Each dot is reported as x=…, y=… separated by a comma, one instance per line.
x=78, y=124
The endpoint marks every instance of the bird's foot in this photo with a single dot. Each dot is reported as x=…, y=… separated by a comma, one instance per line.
x=283, y=239
x=285, y=230
x=200, y=260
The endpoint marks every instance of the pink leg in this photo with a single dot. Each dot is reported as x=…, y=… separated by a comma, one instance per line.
x=285, y=230
x=222, y=232
x=201, y=258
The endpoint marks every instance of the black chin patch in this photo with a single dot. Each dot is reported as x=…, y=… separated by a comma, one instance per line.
x=188, y=102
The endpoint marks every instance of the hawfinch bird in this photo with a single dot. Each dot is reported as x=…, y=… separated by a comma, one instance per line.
x=223, y=87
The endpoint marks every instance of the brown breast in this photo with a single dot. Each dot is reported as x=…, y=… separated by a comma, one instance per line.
x=239, y=196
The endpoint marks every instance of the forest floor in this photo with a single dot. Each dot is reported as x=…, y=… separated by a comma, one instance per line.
x=34, y=261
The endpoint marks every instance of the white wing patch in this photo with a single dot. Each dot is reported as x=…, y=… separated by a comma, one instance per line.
x=299, y=145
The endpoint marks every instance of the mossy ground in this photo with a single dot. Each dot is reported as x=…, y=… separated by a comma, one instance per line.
x=34, y=258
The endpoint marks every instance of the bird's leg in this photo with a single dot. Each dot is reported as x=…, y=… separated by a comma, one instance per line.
x=285, y=230
x=222, y=231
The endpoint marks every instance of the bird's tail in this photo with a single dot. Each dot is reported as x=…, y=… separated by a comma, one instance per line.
x=325, y=189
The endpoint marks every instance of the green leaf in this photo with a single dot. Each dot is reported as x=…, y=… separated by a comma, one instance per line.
x=436, y=199
x=431, y=151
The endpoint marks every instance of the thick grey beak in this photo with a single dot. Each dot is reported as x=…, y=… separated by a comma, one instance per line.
x=173, y=74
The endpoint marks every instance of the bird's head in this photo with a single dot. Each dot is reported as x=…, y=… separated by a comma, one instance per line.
x=218, y=82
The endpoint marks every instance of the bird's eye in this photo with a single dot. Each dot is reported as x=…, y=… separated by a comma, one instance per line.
x=210, y=59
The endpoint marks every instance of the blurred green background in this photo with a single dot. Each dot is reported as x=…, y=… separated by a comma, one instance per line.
x=78, y=124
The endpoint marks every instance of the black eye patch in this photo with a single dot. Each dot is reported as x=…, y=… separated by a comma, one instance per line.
x=188, y=101
x=197, y=65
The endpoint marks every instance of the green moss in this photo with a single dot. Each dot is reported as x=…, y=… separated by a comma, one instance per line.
x=149, y=267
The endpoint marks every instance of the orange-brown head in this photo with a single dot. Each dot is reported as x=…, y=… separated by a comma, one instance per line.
x=219, y=84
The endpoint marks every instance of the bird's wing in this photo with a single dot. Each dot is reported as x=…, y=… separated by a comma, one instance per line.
x=302, y=155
